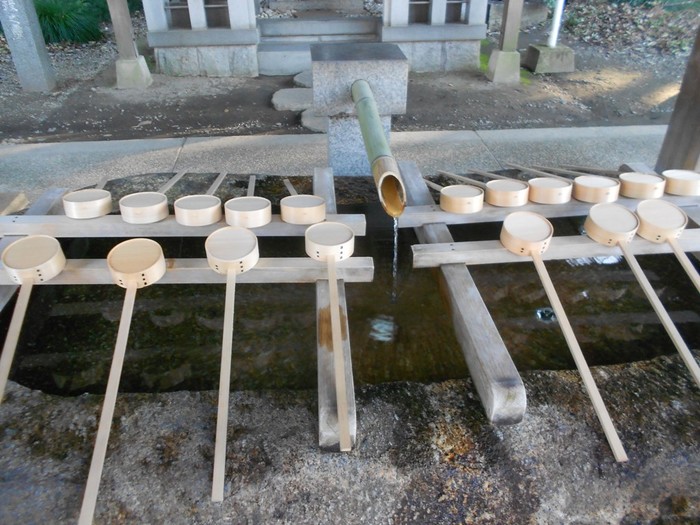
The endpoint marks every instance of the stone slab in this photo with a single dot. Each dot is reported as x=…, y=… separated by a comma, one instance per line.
x=313, y=122
x=433, y=33
x=426, y=57
x=283, y=59
x=336, y=66
x=346, y=149
x=540, y=58
x=292, y=99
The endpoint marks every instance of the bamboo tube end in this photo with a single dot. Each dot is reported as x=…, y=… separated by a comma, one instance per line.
x=392, y=193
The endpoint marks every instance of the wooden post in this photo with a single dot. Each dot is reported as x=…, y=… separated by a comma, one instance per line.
x=198, y=16
x=504, y=62
x=510, y=27
x=494, y=374
x=328, y=428
x=681, y=146
x=154, y=11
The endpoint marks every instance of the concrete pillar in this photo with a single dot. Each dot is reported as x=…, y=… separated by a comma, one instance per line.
x=681, y=147
x=132, y=71
x=27, y=45
x=504, y=63
x=154, y=11
x=477, y=12
x=198, y=16
x=396, y=13
x=241, y=14
x=438, y=12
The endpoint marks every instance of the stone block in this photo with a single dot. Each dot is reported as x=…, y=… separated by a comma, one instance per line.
x=336, y=66
x=212, y=61
x=540, y=58
x=504, y=67
x=347, y=155
x=462, y=56
x=304, y=79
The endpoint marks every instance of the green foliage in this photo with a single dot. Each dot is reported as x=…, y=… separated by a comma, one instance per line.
x=68, y=20
x=100, y=7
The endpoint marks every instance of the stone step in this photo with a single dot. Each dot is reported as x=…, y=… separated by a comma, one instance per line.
x=283, y=59
x=313, y=122
x=318, y=39
x=304, y=79
x=315, y=28
x=293, y=99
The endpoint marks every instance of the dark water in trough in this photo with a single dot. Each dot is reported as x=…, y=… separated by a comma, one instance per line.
x=400, y=326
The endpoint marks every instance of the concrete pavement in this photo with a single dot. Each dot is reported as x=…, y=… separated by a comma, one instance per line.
x=34, y=168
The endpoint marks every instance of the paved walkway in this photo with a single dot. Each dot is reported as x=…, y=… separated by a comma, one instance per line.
x=33, y=168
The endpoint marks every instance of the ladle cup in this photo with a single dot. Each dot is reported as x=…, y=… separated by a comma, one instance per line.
x=527, y=233
x=87, y=204
x=230, y=251
x=200, y=210
x=682, y=182
x=660, y=221
x=613, y=224
x=248, y=211
x=459, y=198
x=30, y=260
x=587, y=188
x=332, y=242
x=147, y=207
x=503, y=193
x=133, y=264
x=302, y=209
x=635, y=185
x=543, y=189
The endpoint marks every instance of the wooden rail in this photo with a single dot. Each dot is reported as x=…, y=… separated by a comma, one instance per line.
x=494, y=374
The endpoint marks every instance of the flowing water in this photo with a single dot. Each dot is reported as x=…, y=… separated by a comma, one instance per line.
x=400, y=327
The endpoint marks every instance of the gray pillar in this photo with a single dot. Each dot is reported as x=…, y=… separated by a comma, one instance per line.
x=504, y=62
x=132, y=71
x=681, y=147
x=27, y=45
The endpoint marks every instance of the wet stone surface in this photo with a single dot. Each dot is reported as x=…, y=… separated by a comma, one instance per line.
x=426, y=454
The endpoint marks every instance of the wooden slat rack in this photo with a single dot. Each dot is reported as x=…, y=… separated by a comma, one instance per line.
x=495, y=376
x=37, y=219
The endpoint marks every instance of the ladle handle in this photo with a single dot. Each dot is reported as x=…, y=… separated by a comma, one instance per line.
x=488, y=174
x=290, y=187
x=217, y=489
x=661, y=312
x=535, y=172
x=590, y=169
x=546, y=171
x=87, y=510
x=685, y=262
x=171, y=182
x=217, y=182
x=560, y=171
x=588, y=382
x=466, y=180
x=338, y=359
x=432, y=185
x=8, y=350
x=251, y=186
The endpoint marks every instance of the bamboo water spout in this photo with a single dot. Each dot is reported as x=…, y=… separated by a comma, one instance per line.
x=385, y=170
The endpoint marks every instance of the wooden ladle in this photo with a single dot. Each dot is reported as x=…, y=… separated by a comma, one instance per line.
x=459, y=198
x=332, y=242
x=30, y=260
x=613, y=224
x=248, y=211
x=133, y=264
x=504, y=193
x=660, y=221
x=527, y=233
x=230, y=251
